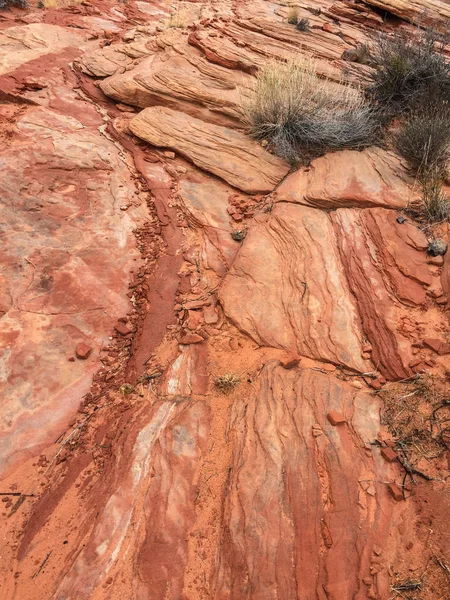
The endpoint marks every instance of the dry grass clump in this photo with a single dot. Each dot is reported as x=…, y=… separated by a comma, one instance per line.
x=179, y=18
x=424, y=141
x=412, y=78
x=226, y=383
x=292, y=17
x=410, y=70
x=5, y=4
x=301, y=116
x=436, y=206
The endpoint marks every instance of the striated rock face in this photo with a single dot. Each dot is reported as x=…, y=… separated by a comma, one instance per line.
x=228, y=154
x=180, y=78
x=66, y=250
x=218, y=379
x=349, y=178
x=19, y=45
x=429, y=12
x=387, y=272
x=287, y=288
x=287, y=449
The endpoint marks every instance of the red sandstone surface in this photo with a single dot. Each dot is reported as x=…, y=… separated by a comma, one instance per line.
x=126, y=472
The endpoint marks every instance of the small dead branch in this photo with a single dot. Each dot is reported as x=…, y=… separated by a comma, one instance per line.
x=17, y=494
x=226, y=383
x=42, y=565
x=407, y=586
x=443, y=566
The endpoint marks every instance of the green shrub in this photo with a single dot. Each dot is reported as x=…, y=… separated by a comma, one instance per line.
x=301, y=116
x=303, y=25
x=435, y=201
x=424, y=140
x=5, y=4
x=410, y=69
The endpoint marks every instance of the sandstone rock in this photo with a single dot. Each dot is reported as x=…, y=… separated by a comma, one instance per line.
x=105, y=61
x=67, y=277
x=336, y=418
x=264, y=461
x=83, y=351
x=395, y=491
x=287, y=288
x=388, y=454
x=429, y=12
x=388, y=282
x=226, y=153
x=19, y=45
x=182, y=79
x=191, y=338
x=373, y=177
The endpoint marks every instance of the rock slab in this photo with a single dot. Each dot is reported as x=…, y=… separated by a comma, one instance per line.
x=229, y=154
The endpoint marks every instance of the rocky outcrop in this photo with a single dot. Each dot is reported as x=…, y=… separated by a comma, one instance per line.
x=230, y=155
x=287, y=288
x=349, y=178
x=425, y=12
x=206, y=362
x=388, y=273
x=64, y=268
x=285, y=443
x=180, y=78
x=19, y=45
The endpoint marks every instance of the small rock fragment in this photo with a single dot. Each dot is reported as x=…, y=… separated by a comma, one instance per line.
x=191, y=338
x=373, y=383
x=357, y=384
x=437, y=247
x=83, y=351
x=395, y=491
x=437, y=346
x=388, y=454
x=336, y=418
x=438, y=261
x=122, y=328
x=169, y=154
x=239, y=235
x=401, y=219
x=290, y=362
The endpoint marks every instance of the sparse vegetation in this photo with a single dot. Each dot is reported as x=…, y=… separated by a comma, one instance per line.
x=435, y=201
x=301, y=116
x=6, y=4
x=410, y=70
x=361, y=54
x=292, y=17
x=424, y=139
x=226, y=383
x=412, y=78
x=303, y=24
x=179, y=18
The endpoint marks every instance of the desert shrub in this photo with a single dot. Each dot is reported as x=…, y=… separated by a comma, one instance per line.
x=226, y=383
x=179, y=19
x=409, y=70
x=5, y=4
x=361, y=54
x=292, y=17
x=436, y=205
x=424, y=140
x=303, y=25
x=301, y=116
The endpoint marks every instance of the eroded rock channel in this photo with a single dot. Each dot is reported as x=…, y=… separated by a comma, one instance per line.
x=151, y=250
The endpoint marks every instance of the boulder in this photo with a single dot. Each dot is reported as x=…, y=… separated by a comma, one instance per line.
x=229, y=154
